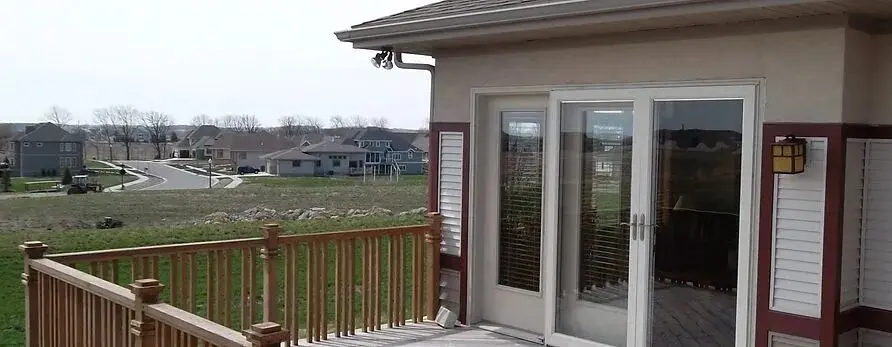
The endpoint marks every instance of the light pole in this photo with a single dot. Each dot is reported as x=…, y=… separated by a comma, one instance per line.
x=122, y=172
x=210, y=165
x=4, y=174
x=111, y=156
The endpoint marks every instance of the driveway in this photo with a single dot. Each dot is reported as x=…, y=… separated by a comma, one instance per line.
x=172, y=178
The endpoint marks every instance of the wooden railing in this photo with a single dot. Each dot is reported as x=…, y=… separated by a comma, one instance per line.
x=315, y=286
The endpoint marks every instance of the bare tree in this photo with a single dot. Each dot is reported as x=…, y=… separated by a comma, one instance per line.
x=247, y=123
x=358, y=121
x=107, y=123
x=203, y=119
x=57, y=115
x=337, y=122
x=158, y=125
x=228, y=121
x=289, y=126
x=425, y=125
x=127, y=118
x=6, y=132
x=314, y=124
x=380, y=122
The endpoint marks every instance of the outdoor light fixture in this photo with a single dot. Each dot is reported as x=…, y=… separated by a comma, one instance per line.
x=788, y=155
x=383, y=59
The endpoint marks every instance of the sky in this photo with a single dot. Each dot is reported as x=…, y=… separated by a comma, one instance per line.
x=270, y=58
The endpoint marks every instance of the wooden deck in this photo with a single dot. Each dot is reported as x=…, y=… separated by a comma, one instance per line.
x=693, y=317
x=424, y=334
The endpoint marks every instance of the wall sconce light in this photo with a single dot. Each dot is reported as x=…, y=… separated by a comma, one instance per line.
x=788, y=155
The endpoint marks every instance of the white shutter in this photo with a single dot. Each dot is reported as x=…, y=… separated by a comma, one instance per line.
x=848, y=339
x=851, y=225
x=784, y=340
x=876, y=246
x=797, y=238
x=873, y=338
x=450, y=190
x=450, y=289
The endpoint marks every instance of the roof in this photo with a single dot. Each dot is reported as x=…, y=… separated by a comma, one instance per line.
x=47, y=132
x=446, y=8
x=288, y=154
x=398, y=141
x=332, y=147
x=252, y=142
x=195, y=136
x=422, y=142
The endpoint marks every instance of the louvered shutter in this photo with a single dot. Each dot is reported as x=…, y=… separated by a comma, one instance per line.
x=797, y=238
x=851, y=229
x=876, y=251
x=873, y=338
x=450, y=190
x=784, y=340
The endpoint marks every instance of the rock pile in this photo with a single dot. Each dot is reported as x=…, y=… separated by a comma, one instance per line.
x=260, y=213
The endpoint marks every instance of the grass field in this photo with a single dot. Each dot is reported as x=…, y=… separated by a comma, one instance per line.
x=19, y=184
x=165, y=217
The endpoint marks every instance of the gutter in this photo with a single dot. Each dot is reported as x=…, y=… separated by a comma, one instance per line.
x=398, y=61
x=604, y=10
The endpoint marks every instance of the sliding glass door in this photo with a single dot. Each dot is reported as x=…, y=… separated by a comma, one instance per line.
x=623, y=167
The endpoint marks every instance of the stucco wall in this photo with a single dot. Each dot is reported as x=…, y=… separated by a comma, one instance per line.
x=804, y=69
x=882, y=80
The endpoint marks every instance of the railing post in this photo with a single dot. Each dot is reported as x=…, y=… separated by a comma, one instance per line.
x=147, y=292
x=32, y=250
x=268, y=253
x=267, y=334
x=432, y=238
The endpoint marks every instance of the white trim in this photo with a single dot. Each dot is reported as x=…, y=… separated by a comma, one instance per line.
x=754, y=107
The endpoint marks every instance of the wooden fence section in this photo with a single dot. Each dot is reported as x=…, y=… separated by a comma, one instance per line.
x=314, y=285
x=66, y=307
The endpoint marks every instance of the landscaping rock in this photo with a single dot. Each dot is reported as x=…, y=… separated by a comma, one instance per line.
x=266, y=214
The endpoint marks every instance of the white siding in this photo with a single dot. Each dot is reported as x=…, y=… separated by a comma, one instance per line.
x=784, y=340
x=851, y=227
x=876, y=251
x=450, y=190
x=450, y=289
x=797, y=237
x=873, y=338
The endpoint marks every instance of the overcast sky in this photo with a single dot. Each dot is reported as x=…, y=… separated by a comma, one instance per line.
x=183, y=57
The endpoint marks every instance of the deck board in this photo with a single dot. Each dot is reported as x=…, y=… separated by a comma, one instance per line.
x=424, y=334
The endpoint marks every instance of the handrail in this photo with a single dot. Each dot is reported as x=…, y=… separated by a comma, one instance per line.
x=94, y=285
x=110, y=254
x=196, y=326
x=350, y=234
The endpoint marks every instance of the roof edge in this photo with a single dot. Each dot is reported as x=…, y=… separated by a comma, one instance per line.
x=542, y=12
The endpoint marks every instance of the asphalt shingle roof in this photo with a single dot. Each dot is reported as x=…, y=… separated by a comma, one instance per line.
x=289, y=154
x=448, y=8
x=332, y=147
x=47, y=132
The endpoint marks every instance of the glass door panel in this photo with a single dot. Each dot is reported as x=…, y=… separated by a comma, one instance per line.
x=695, y=201
x=593, y=212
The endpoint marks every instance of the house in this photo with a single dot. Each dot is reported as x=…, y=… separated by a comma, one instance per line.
x=574, y=154
x=336, y=158
x=292, y=162
x=388, y=150
x=196, y=144
x=44, y=149
x=246, y=149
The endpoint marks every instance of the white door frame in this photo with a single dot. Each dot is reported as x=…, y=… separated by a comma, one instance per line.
x=754, y=107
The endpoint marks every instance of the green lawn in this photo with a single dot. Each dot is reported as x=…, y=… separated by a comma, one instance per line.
x=273, y=181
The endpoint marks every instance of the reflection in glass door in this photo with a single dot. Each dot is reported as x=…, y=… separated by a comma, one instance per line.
x=595, y=199
x=697, y=149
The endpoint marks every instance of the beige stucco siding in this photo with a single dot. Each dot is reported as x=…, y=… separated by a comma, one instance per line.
x=859, y=80
x=882, y=83
x=804, y=70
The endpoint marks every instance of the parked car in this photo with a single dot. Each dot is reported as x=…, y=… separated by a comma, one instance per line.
x=247, y=169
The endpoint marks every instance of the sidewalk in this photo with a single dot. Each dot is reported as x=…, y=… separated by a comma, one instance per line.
x=140, y=178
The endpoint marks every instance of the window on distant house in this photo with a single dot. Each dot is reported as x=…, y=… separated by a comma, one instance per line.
x=397, y=156
x=336, y=163
x=295, y=163
x=409, y=155
x=318, y=163
x=69, y=147
x=424, y=156
x=243, y=155
x=39, y=144
x=26, y=144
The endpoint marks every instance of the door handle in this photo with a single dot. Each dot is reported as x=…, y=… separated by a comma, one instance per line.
x=633, y=226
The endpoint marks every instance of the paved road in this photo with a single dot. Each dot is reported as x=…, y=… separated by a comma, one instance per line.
x=175, y=179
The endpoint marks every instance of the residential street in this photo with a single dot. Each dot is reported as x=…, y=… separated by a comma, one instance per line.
x=172, y=178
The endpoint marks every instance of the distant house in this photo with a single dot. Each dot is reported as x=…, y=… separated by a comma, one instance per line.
x=292, y=162
x=388, y=150
x=197, y=143
x=246, y=149
x=44, y=149
x=338, y=159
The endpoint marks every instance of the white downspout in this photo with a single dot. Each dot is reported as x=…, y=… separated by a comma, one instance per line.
x=398, y=61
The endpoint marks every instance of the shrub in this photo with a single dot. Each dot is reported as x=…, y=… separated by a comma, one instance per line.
x=66, y=176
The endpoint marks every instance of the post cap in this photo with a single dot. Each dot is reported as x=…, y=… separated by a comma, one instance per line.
x=266, y=334
x=34, y=249
x=148, y=290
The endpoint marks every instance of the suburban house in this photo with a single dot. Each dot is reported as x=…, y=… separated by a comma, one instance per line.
x=245, y=149
x=196, y=144
x=44, y=149
x=388, y=150
x=292, y=162
x=336, y=158
x=659, y=173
